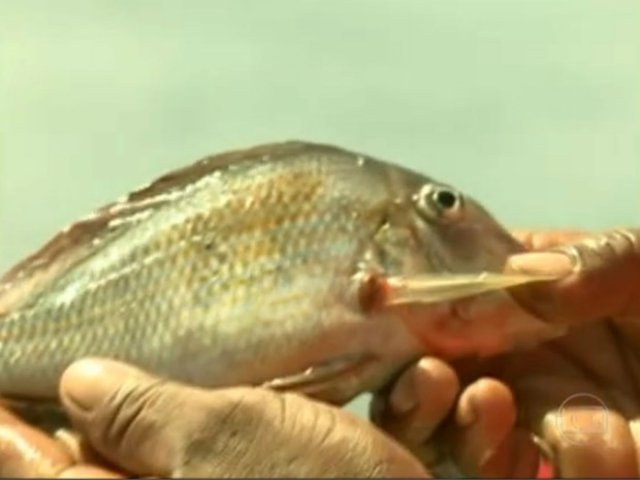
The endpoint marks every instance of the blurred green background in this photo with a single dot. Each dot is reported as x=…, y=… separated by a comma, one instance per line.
x=533, y=106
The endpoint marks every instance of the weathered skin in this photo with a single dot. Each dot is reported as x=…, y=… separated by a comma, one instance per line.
x=244, y=267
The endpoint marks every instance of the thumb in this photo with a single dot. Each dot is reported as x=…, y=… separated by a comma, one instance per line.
x=129, y=416
x=153, y=427
x=601, y=278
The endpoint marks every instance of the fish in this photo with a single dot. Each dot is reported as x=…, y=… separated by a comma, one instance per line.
x=293, y=265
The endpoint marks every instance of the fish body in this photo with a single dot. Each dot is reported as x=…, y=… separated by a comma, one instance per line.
x=245, y=267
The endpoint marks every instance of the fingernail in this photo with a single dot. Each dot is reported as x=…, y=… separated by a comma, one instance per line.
x=541, y=263
x=87, y=382
x=466, y=413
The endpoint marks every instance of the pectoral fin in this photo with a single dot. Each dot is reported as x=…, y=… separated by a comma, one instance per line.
x=445, y=287
x=335, y=381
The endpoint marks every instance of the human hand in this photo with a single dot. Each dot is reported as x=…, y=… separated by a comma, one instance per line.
x=144, y=426
x=28, y=452
x=579, y=395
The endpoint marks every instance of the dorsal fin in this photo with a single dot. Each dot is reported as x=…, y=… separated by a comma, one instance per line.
x=81, y=239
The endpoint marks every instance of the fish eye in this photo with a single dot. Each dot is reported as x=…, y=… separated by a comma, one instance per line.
x=440, y=202
x=445, y=199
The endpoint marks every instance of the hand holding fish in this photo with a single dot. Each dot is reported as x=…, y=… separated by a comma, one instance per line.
x=579, y=395
x=145, y=426
x=296, y=266
x=546, y=391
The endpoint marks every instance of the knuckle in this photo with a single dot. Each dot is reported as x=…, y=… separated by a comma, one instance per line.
x=611, y=246
x=332, y=433
x=323, y=429
x=621, y=243
x=245, y=406
x=632, y=238
x=233, y=433
x=606, y=263
x=129, y=416
x=607, y=249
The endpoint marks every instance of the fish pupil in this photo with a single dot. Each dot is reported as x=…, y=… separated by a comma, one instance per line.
x=446, y=199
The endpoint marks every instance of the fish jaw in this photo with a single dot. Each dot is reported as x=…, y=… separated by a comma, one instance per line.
x=481, y=325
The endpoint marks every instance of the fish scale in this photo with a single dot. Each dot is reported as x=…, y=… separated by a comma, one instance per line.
x=244, y=267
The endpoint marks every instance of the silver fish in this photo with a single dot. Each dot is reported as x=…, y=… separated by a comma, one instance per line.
x=289, y=265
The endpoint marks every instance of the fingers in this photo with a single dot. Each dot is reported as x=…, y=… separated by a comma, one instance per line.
x=27, y=452
x=516, y=457
x=542, y=240
x=127, y=415
x=88, y=472
x=485, y=415
x=602, y=278
x=155, y=428
x=486, y=439
x=588, y=443
x=476, y=428
x=418, y=403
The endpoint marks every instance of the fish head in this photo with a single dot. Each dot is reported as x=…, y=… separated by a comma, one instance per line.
x=436, y=231
x=433, y=227
x=456, y=233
